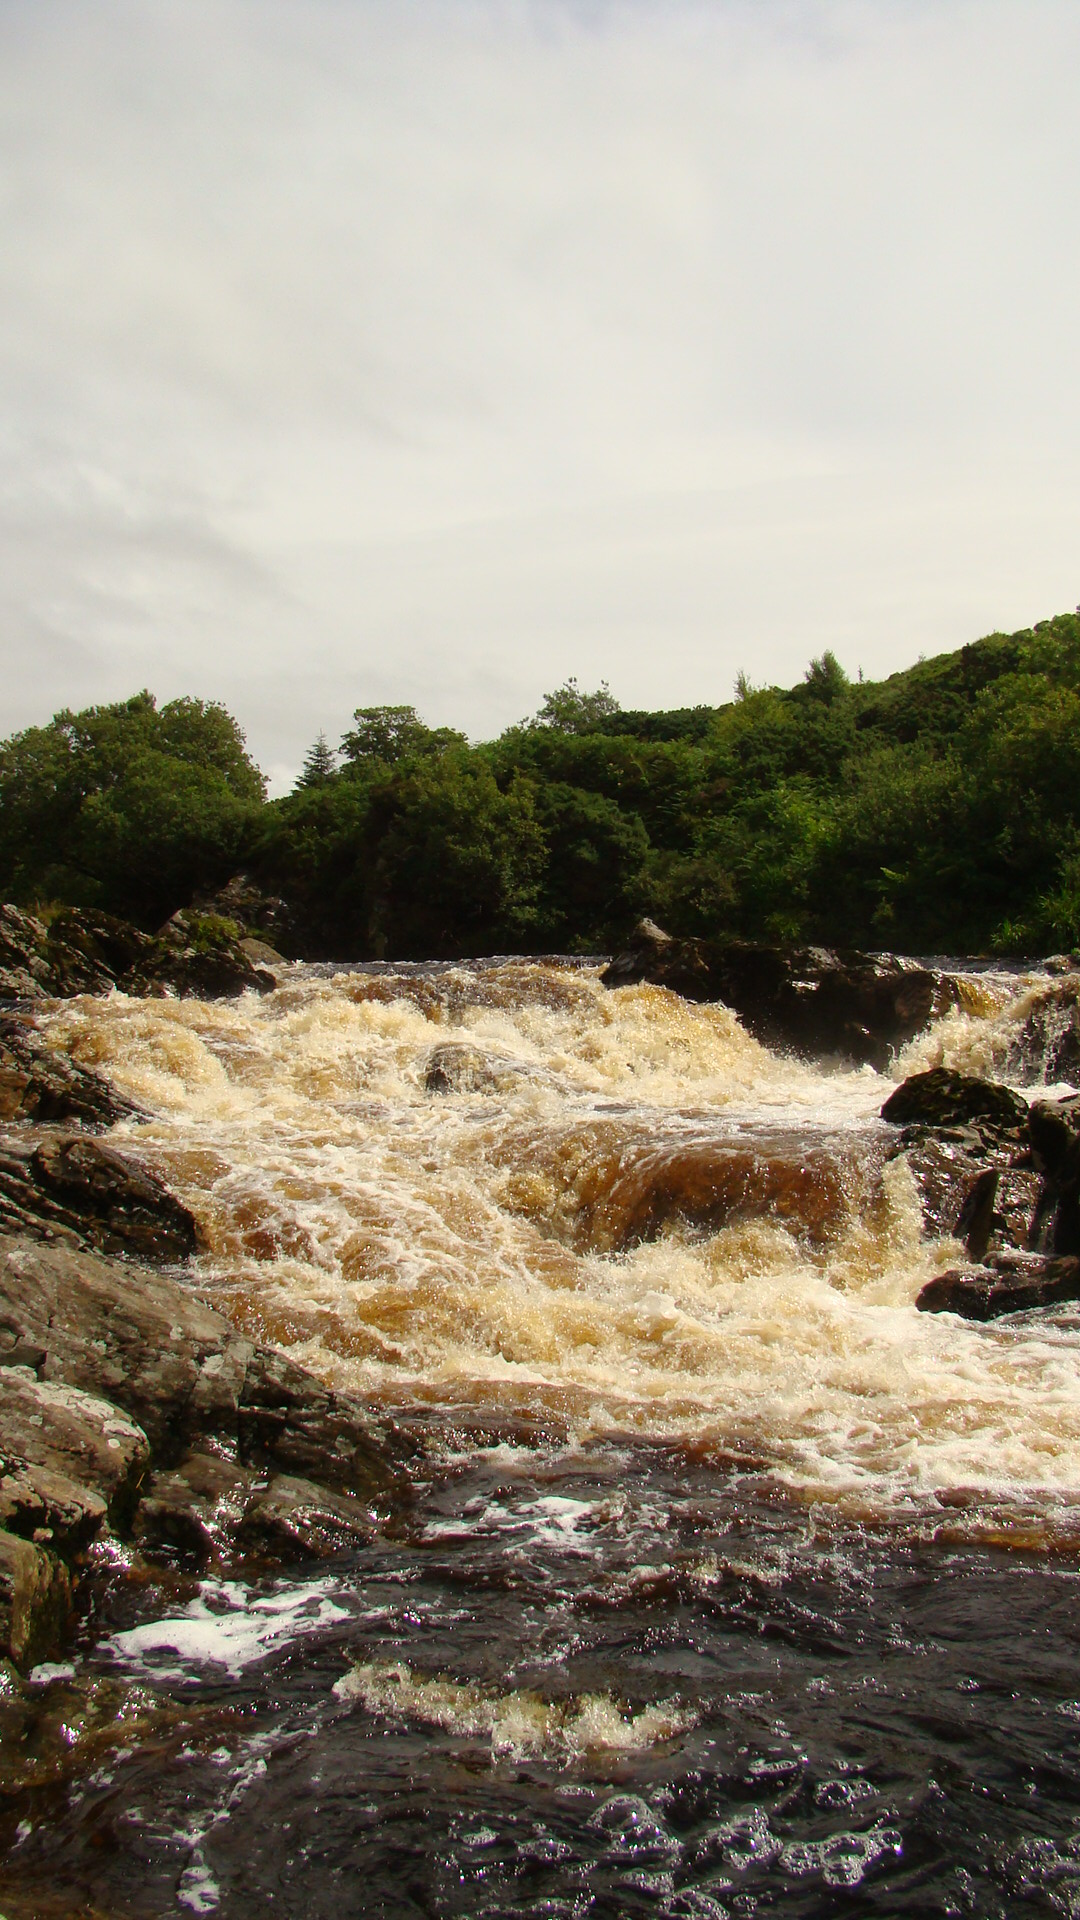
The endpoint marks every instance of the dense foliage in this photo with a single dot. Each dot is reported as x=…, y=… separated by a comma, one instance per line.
x=936, y=810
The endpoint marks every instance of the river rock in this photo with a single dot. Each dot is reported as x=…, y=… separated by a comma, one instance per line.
x=456, y=1067
x=38, y=1084
x=943, y=1099
x=1003, y=1283
x=1054, y=1131
x=1046, y=1047
x=259, y=915
x=127, y=1402
x=68, y=1460
x=35, y=1600
x=75, y=1188
x=196, y=956
x=812, y=1001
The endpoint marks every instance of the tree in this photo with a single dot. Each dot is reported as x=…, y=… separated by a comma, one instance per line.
x=126, y=807
x=392, y=734
x=569, y=710
x=320, y=764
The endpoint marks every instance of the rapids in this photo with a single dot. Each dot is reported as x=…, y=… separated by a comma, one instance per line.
x=731, y=1585
x=631, y=1220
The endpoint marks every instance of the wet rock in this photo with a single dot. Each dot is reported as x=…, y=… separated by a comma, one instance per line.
x=74, y=1188
x=965, y=1141
x=38, y=1084
x=655, y=956
x=68, y=1460
x=197, y=956
x=35, y=1600
x=182, y=1371
x=293, y=1518
x=812, y=1001
x=125, y=1401
x=195, y=1508
x=287, y=1418
x=1046, y=1047
x=1004, y=1283
x=1054, y=1132
x=457, y=1067
x=944, y=1099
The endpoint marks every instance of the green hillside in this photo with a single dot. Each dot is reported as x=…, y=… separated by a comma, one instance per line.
x=936, y=810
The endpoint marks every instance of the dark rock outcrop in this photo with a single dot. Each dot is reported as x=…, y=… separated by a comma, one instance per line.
x=259, y=915
x=74, y=1188
x=966, y=1143
x=126, y=1403
x=194, y=954
x=1054, y=1131
x=856, y=1007
x=38, y=1084
x=198, y=957
x=1003, y=1283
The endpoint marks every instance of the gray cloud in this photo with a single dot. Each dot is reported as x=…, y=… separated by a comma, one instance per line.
x=356, y=350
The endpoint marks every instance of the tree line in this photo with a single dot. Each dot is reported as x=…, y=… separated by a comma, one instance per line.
x=937, y=810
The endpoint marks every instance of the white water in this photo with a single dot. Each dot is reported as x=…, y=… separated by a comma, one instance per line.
x=481, y=1248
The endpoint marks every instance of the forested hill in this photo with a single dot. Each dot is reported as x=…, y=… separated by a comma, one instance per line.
x=936, y=810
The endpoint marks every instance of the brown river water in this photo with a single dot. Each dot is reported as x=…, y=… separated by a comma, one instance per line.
x=732, y=1585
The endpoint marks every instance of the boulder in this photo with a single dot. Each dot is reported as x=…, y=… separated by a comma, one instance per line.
x=74, y=1188
x=812, y=1001
x=38, y=1084
x=1003, y=1283
x=194, y=954
x=966, y=1143
x=943, y=1099
x=657, y=957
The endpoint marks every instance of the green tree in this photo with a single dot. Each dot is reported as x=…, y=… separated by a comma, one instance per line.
x=126, y=807
x=388, y=735
x=570, y=710
x=320, y=764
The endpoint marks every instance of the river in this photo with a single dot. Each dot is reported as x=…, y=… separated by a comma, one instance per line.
x=731, y=1584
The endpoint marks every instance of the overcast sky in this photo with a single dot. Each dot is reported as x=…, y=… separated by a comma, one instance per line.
x=433, y=350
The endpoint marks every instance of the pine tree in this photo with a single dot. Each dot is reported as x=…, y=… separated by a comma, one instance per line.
x=320, y=765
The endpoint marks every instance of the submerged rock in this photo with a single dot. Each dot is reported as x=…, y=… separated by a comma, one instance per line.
x=1004, y=1283
x=812, y=1001
x=38, y=1084
x=74, y=1188
x=457, y=1067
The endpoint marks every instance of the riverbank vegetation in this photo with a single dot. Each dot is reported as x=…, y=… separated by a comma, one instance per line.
x=936, y=810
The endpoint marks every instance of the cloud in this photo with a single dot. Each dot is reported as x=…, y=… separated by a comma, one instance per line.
x=431, y=350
